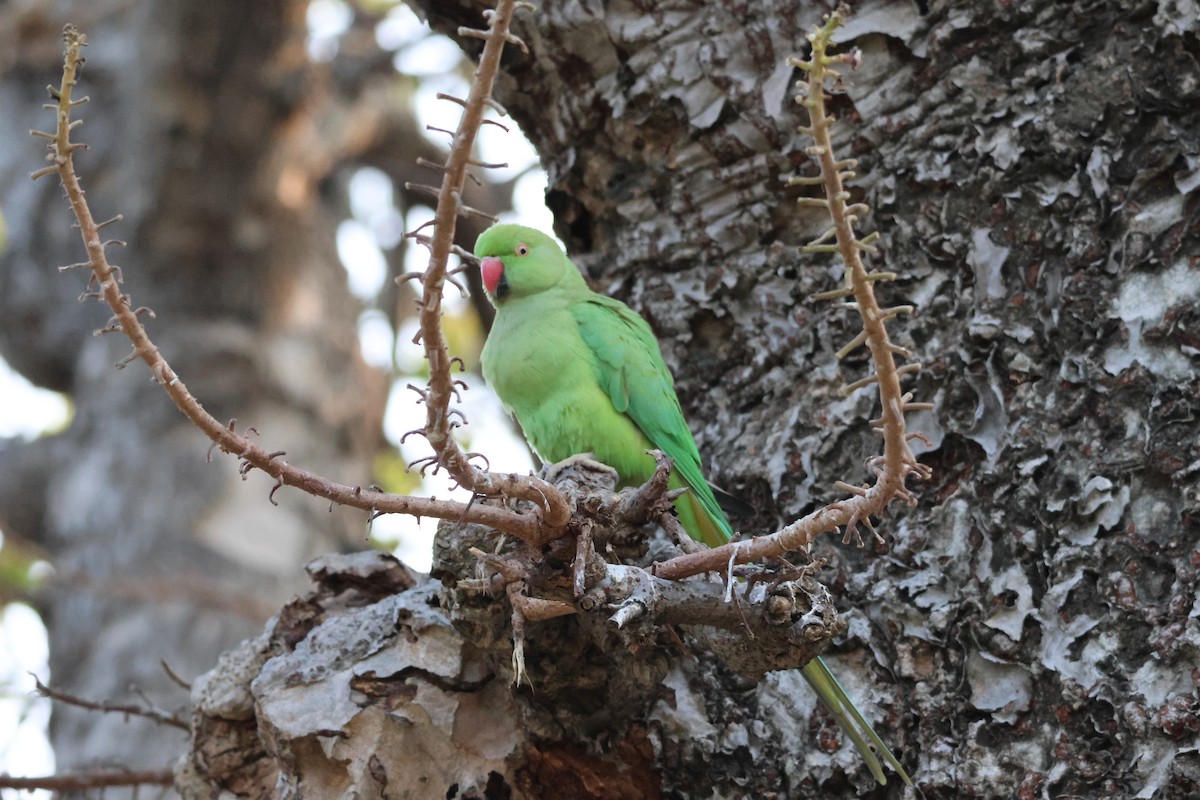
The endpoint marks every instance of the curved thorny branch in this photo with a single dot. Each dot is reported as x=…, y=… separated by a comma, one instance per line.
x=555, y=512
x=105, y=285
x=897, y=462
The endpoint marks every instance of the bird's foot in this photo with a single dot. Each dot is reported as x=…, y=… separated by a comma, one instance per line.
x=584, y=462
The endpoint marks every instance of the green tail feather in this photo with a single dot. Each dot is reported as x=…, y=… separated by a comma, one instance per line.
x=712, y=528
x=851, y=720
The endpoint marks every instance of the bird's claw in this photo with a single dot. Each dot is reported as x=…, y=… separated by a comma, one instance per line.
x=583, y=461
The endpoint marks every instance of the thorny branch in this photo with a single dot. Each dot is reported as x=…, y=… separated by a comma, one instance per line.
x=438, y=423
x=155, y=714
x=789, y=622
x=789, y=617
x=897, y=462
x=631, y=591
x=105, y=284
x=99, y=779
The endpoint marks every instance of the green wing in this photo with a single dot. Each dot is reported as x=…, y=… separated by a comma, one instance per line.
x=631, y=371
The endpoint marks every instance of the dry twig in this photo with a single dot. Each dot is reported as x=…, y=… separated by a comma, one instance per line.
x=897, y=462
x=555, y=512
x=128, y=710
x=99, y=779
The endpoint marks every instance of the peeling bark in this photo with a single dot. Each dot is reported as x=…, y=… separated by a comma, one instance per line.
x=380, y=682
x=1033, y=168
x=1031, y=628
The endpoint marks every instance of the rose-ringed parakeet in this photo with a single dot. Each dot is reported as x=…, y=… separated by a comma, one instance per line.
x=582, y=373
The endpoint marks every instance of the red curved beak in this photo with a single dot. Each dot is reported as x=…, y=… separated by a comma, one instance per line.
x=492, y=270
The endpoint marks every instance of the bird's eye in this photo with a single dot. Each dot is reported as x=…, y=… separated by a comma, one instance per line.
x=522, y=250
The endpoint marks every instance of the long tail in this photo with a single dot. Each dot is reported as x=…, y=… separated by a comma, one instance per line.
x=851, y=720
x=706, y=522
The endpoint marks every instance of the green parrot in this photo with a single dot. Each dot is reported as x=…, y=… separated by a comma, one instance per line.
x=582, y=373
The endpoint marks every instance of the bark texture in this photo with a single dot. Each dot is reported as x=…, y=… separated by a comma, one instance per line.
x=379, y=682
x=1031, y=627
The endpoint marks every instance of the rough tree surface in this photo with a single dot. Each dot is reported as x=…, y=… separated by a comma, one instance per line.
x=1031, y=627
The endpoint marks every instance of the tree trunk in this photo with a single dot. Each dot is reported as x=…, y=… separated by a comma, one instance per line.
x=199, y=134
x=1030, y=627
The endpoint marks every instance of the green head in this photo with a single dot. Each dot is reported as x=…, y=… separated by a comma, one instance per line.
x=516, y=261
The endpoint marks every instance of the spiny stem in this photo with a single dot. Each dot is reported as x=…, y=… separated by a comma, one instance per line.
x=897, y=462
x=126, y=317
x=555, y=510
